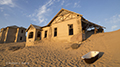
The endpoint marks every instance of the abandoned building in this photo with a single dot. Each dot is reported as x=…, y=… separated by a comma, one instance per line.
x=66, y=25
x=12, y=34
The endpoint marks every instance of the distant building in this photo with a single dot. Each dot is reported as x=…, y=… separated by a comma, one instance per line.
x=66, y=25
x=12, y=34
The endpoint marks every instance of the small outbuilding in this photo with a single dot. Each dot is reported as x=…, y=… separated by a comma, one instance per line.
x=33, y=33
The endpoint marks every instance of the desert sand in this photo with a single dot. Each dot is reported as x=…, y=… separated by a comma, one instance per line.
x=51, y=53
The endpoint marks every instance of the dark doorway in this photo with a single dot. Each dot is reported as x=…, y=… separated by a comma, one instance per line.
x=39, y=35
x=45, y=34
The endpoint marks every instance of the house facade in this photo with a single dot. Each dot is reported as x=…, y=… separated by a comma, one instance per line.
x=33, y=33
x=12, y=34
x=66, y=25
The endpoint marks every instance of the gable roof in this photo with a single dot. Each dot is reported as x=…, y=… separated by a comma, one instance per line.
x=14, y=26
x=59, y=14
x=35, y=26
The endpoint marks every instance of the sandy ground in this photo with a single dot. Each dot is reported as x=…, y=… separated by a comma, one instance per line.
x=50, y=53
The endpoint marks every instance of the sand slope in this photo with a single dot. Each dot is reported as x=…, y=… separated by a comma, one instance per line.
x=52, y=53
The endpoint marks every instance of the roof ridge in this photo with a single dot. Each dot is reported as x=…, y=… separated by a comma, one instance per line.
x=71, y=11
x=59, y=13
x=35, y=25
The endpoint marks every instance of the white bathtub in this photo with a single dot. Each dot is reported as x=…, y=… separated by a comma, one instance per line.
x=91, y=56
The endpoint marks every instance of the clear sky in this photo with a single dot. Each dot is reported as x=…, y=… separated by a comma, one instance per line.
x=39, y=12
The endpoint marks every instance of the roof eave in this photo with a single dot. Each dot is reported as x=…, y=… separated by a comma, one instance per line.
x=94, y=24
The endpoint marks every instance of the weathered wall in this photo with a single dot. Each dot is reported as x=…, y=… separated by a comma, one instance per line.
x=16, y=35
x=3, y=35
x=43, y=32
x=20, y=34
x=6, y=34
x=32, y=29
x=63, y=30
x=0, y=36
x=10, y=35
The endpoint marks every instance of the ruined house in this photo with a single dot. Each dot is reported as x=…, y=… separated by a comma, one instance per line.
x=12, y=34
x=66, y=25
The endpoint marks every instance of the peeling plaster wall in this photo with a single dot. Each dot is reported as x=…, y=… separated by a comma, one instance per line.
x=10, y=35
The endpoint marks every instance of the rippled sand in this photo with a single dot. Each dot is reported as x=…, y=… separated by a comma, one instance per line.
x=50, y=53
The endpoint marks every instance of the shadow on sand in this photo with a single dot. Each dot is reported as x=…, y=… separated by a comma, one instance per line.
x=14, y=48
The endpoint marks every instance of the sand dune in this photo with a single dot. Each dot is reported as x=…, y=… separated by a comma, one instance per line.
x=50, y=53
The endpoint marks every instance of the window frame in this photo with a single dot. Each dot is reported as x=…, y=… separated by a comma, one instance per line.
x=31, y=35
x=55, y=32
x=70, y=27
x=21, y=31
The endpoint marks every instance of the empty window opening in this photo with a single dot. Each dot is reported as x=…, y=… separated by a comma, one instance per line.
x=45, y=34
x=20, y=38
x=38, y=34
x=55, y=32
x=70, y=29
x=31, y=35
x=21, y=31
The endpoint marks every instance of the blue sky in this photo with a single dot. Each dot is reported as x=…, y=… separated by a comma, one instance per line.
x=40, y=12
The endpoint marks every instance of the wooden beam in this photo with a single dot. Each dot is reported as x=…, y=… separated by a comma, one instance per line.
x=59, y=18
x=87, y=27
x=67, y=16
x=92, y=23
